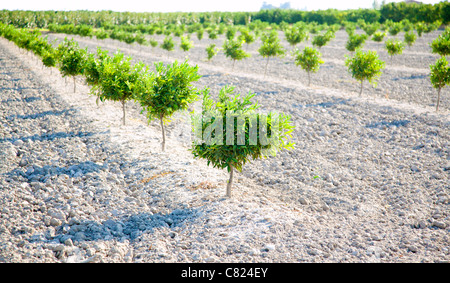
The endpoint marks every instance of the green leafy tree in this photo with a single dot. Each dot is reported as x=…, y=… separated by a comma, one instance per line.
x=271, y=47
x=295, y=35
x=395, y=28
x=240, y=133
x=231, y=32
x=93, y=69
x=212, y=33
x=49, y=59
x=378, y=36
x=441, y=45
x=101, y=34
x=211, y=50
x=410, y=38
x=394, y=47
x=200, y=33
x=420, y=28
x=440, y=76
x=141, y=40
x=355, y=41
x=309, y=60
x=72, y=59
x=168, y=44
x=246, y=36
x=186, y=43
x=117, y=78
x=365, y=66
x=166, y=92
x=323, y=39
x=370, y=29
x=233, y=50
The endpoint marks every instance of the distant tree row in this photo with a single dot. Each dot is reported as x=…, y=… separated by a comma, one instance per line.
x=395, y=12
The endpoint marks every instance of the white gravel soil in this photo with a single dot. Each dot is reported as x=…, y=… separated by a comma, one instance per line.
x=368, y=180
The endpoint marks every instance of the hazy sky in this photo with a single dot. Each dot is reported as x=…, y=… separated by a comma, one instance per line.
x=183, y=5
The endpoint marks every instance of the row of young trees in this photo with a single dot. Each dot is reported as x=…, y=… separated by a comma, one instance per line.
x=309, y=59
x=165, y=91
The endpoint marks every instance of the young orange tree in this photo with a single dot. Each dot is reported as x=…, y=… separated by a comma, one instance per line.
x=365, y=66
x=166, y=92
x=229, y=133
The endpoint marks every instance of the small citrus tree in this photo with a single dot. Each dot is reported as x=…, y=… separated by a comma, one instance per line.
x=378, y=36
x=441, y=45
x=410, y=38
x=323, y=39
x=72, y=60
x=295, y=35
x=365, y=66
x=440, y=76
x=229, y=133
x=93, y=69
x=355, y=41
x=309, y=60
x=394, y=47
x=116, y=79
x=211, y=50
x=186, y=43
x=168, y=44
x=166, y=92
x=246, y=36
x=233, y=49
x=271, y=47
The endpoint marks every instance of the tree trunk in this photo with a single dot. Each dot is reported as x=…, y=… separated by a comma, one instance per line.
x=74, y=85
x=360, y=91
x=123, y=110
x=234, y=61
x=267, y=63
x=163, y=144
x=439, y=97
x=230, y=182
x=309, y=78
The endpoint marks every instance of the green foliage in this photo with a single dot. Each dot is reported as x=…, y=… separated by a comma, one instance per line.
x=365, y=66
x=355, y=41
x=410, y=38
x=309, y=60
x=211, y=50
x=168, y=43
x=49, y=59
x=378, y=36
x=394, y=47
x=140, y=39
x=295, y=35
x=186, y=43
x=116, y=79
x=72, y=59
x=231, y=32
x=323, y=39
x=350, y=28
x=395, y=28
x=200, y=33
x=441, y=45
x=440, y=76
x=101, y=34
x=235, y=145
x=370, y=29
x=271, y=47
x=246, y=36
x=420, y=28
x=153, y=42
x=212, y=33
x=166, y=92
x=233, y=50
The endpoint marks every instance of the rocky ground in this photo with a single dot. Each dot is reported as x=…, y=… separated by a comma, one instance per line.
x=368, y=180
